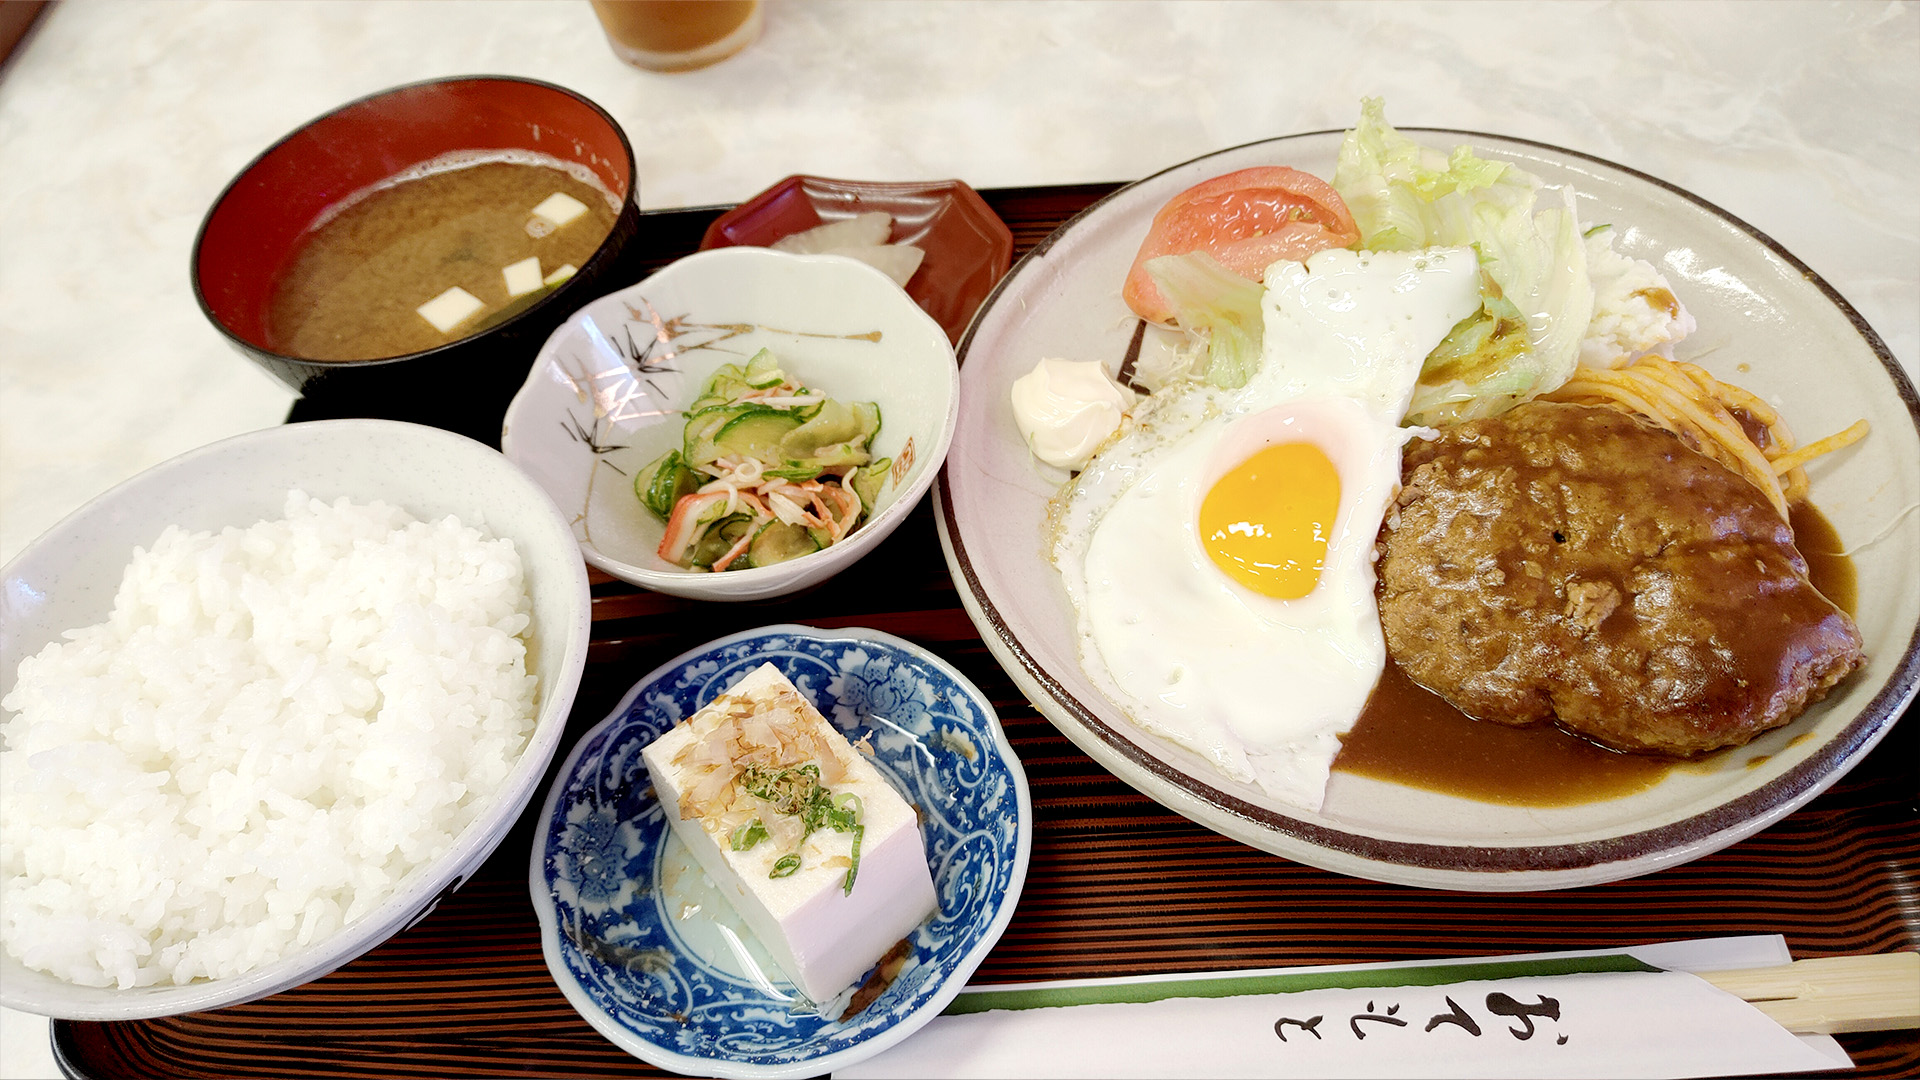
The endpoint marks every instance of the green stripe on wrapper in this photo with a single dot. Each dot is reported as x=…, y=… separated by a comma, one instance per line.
x=1139, y=992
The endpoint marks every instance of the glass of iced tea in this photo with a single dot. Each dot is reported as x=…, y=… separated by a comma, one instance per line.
x=678, y=35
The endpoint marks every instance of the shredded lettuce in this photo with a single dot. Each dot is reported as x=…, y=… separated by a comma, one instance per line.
x=1406, y=196
x=1216, y=308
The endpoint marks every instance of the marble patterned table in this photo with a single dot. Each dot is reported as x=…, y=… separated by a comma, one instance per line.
x=119, y=123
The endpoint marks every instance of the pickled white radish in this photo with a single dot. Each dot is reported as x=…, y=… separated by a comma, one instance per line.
x=861, y=230
x=897, y=261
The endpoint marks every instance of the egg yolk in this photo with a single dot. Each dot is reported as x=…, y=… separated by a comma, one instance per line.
x=1267, y=521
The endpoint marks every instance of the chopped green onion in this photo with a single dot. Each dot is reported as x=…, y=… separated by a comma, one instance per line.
x=798, y=792
x=859, y=831
x=748, y=835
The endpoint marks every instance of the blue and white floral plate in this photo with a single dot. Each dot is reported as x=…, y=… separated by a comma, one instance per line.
x=655, y=959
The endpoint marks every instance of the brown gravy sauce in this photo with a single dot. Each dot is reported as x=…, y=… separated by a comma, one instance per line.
x=1409, y=735
x=1828, y=566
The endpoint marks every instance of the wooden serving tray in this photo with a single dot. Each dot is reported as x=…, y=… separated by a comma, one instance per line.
x=1118, y=886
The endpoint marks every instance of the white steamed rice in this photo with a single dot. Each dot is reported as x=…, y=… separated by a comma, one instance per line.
x=272, y=728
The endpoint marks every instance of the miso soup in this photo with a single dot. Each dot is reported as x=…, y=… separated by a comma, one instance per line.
x=354, y=288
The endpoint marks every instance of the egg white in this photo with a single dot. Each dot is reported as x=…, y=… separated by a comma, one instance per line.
x=1260, y=688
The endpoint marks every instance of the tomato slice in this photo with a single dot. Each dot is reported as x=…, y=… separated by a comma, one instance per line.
x=1245, y=219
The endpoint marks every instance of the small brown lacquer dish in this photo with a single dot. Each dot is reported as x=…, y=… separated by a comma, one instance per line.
x=967, y=246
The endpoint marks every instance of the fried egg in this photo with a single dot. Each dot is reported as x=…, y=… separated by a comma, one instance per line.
x=1219, y=553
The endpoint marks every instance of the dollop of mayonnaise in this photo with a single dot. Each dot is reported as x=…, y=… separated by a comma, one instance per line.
x=1065, y=409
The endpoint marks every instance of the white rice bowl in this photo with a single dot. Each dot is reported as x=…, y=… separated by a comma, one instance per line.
x=289, y=739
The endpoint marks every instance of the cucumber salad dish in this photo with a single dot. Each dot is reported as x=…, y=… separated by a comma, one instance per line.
x=768, y=470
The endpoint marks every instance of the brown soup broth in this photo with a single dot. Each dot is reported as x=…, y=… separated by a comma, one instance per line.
x=1409, y=735
x=351, y=290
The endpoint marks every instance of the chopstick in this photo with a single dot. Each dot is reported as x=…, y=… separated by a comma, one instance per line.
x=1832, y=994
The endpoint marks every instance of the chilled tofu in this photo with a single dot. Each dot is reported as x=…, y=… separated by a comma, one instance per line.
x=823, y=909
x=522, y=277
x=559, y=208
x=450, y=308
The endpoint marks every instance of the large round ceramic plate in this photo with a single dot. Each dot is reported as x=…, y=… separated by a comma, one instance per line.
x=1766, y=322
x=648, y=950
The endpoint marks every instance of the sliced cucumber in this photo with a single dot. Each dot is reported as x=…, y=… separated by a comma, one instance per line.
x=840, y=455
x=725, y=382
x=704, y=428
x=756, y=435
x=822, y=439
x=797, y=471
x=662, y=483
x=764, y=371
x=710, y=515
x=868, y=413
x=644, y=479
x=697, y=447
x=834, y=422
x=777, y=541
x=719, y=539
x=867, y=481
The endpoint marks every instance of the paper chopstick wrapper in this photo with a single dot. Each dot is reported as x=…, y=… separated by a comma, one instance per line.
x=1590, y=1014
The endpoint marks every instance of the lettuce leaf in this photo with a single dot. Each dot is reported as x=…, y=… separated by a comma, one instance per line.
x=1406, y=196
x=1216, y=308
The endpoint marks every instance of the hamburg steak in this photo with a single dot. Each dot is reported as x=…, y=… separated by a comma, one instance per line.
x=1578, y=563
